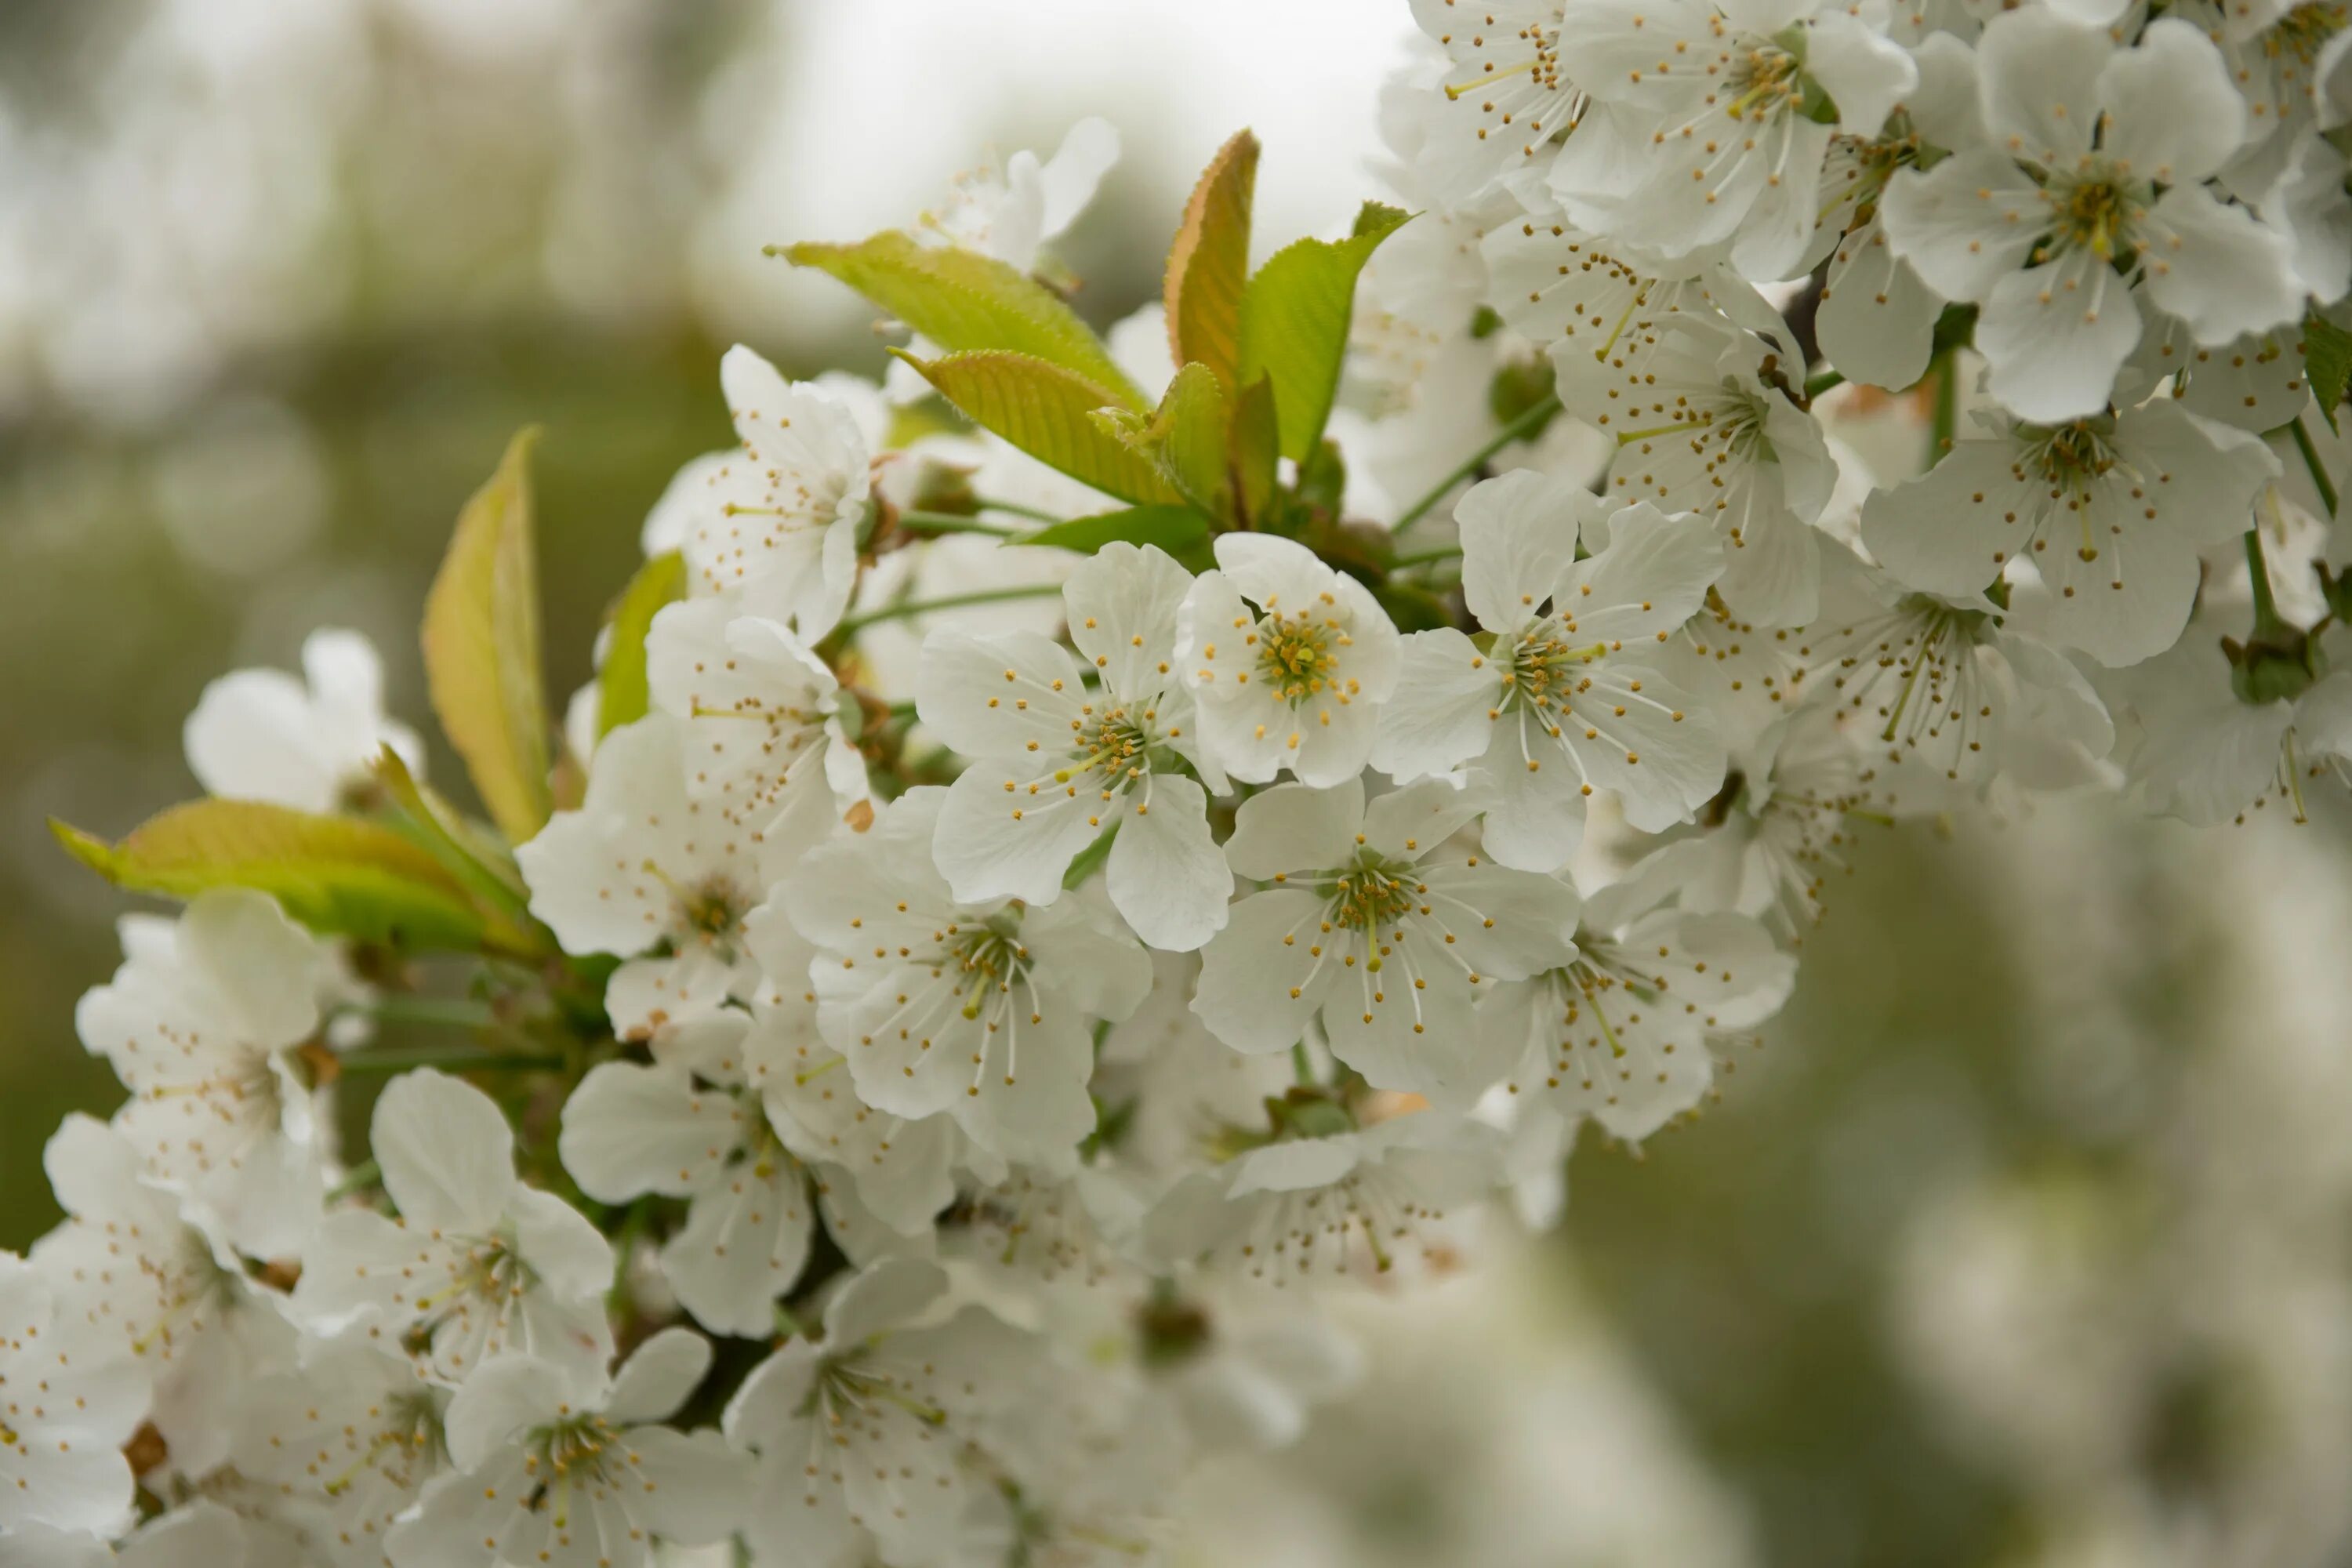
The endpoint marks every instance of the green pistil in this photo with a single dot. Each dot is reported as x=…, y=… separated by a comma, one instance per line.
x=2304, y=32
x=1297, y=655
x=1374, y=892
x=990, y=959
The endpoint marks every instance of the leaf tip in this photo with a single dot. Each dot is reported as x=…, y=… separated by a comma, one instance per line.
x=87, y=847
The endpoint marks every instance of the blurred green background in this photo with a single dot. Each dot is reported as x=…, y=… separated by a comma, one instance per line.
x=2024, y=1240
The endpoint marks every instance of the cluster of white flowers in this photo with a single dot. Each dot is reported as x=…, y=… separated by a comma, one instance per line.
x=996, y=947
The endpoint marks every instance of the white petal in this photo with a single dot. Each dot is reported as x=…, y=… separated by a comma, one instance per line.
x=1964, y=224
x=2055, y=335
x=2217, y=269
x=1437, y=716
x=1010, y=830
x=1256, y=992
x=1166, y=875
x=2039, y=75
x=630, y=1130
x=1294, y=828
x=1008, y=694
x=2172, y=114
x=741, y=1247
x=1122, y=602
x=1518, y=538
x=446, y=1151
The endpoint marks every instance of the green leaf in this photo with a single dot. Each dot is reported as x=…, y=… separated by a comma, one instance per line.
x=481, y=649
x=1323, y=478
x=1185, y=440
x=1174, y=528
x=1043, y=409
x=2326, y=362
x=621, y=694
x=1294, y=324
x=1209, y=264
x=967, y=303
x=474, y=858
x=1087, y=861
x=1253, y=452
x=336, y=875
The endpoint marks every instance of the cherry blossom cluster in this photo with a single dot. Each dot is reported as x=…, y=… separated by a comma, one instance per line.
x=1026, y=909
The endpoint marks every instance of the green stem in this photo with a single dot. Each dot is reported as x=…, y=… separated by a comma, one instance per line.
x=1017, y=509
x=949, y=522
x=2267, y=617
x=1526, y=424
x=1302, y=1066
x=401, y=1060
x=2319, y=479
x=366, y=1174
x=1820, y=382
x=449, y=1011
x=1946, y=421
x=1423, y=558
x=853, y=624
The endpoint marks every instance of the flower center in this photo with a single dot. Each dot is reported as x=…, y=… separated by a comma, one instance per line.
x=573, y=1451
x=1765, y=80
x=2071, y=456
x=1543, y=666
x=1374, y=892
x=2094, y=214
x=2304, y=32
x=1299, y=655
x=1112, y=744
x=989, y=959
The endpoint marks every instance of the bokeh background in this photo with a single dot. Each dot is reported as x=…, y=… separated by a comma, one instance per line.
x=2025, y=1238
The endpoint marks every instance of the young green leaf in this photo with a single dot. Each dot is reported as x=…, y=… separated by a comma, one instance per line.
x=2327, y=363
x=1184, y=439
x=622, y=696
x=1294, y=324
x=1178, y=530
x=1209, y=263
x=337, y=875
x=967, y=303
x=481, y=648
x=1043, y=409
x=473, y=859
x=1253, y=452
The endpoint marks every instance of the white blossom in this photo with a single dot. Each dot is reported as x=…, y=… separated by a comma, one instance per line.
x=776, y=524
x=311, y=743
x=476, y=1263
x=646, y=870
x=2195, y=748
x=2110, y=512
x=202, y=1023
x=693, y=1130
x=1723, y=115
x=1622, y=1033
x=1324, y=1197
x=1383, y=920
x=2033, y=225
x=1568, y=696
x=1698, y=429
x=857, y=1432
x=69, y=1397
x=982, y=1010
x=763, y=736
x=1939, y=685
x=168, y=1285
x=1057, y=762
x=353, y=1435
x=552, y=1469
x=1288, y=660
